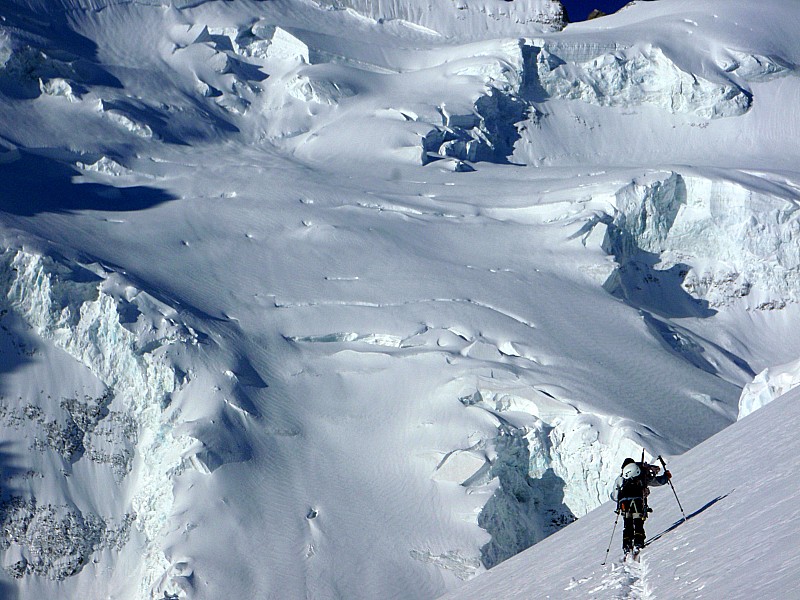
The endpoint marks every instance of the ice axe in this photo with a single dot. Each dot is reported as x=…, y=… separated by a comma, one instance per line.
x=663, y=464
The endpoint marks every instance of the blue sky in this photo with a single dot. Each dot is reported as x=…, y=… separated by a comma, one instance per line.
x=579, y=9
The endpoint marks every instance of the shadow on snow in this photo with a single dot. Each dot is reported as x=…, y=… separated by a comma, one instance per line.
x=36, y=184
x=677, y=524
x=9, y=470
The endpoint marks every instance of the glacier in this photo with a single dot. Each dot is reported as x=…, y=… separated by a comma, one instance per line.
x=362, y=299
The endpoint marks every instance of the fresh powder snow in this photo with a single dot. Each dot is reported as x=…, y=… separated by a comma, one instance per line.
x=362, y=298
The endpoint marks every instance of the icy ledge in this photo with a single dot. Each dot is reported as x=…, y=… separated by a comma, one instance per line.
x=81, y=313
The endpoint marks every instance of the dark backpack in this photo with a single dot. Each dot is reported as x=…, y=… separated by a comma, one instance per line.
x=633, y=493
x=633, y=488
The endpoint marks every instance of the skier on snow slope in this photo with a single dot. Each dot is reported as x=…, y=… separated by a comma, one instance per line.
x=630, y=493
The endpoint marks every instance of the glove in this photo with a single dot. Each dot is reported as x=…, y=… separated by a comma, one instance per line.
x=668, y=474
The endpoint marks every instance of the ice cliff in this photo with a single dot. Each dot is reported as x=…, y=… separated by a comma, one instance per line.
x=547, y=465
x=723, y=240
x=127, y=339
x=768, y=385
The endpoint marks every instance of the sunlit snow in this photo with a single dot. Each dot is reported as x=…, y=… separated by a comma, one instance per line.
x=359, y=299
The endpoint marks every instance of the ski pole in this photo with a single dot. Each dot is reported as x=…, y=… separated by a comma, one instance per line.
x=613, y=531
x=663, y=464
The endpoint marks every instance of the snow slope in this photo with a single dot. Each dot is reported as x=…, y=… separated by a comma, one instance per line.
x=740, y=495
x=302, y=299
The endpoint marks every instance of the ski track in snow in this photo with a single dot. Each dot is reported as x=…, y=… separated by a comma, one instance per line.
x=627, y=580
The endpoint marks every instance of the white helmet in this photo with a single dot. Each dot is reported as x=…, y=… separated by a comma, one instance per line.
x=631, y=471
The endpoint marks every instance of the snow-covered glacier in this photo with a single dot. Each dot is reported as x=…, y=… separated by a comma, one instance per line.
x=360, y=299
